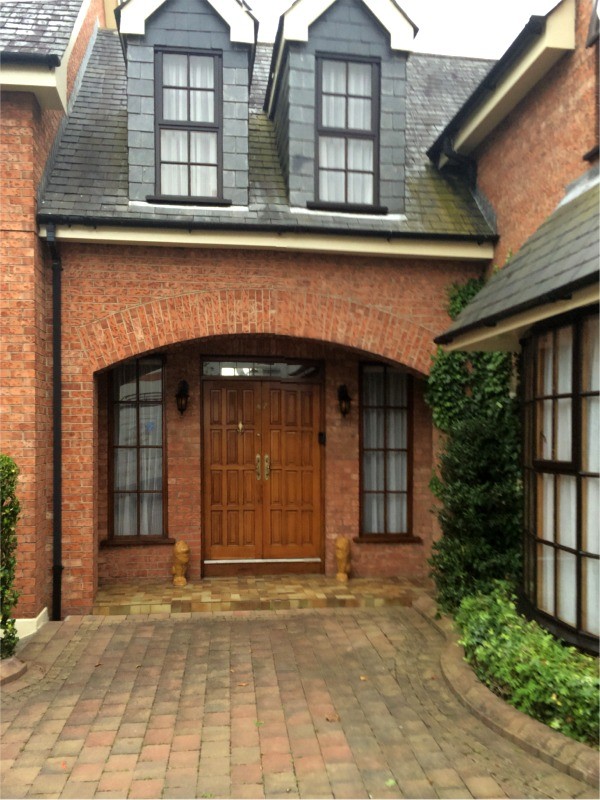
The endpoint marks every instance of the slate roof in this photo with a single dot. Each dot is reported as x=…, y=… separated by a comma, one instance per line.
x=562, y=255
x=89, y=178
x=37, y=27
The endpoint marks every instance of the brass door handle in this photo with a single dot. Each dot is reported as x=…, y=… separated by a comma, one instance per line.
x=267, y=466
x=257, y=462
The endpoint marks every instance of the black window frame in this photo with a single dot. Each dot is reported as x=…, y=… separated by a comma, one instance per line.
x=533, y=470
x=372, y=135
x=386, y=537
x=115, y=539
x=188, y=126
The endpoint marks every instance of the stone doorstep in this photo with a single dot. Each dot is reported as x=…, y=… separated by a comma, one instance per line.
x=11, y=669
x=565, y=754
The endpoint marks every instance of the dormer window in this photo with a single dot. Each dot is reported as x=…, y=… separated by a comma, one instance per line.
x=188, y=127
x=347, y=134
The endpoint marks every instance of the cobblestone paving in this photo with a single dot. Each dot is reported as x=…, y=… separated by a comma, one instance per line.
x=345, y=703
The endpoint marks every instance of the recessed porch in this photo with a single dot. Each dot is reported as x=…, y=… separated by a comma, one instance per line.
x=255, y=593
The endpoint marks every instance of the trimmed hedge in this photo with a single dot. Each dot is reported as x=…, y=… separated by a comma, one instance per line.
x=8, y=595
x=527, y=667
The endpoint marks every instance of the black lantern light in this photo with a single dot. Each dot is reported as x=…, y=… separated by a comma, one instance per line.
x=344, y=400
x=182, y=396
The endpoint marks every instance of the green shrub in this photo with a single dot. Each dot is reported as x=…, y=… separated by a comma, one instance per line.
x=529, y=668
x=8, y=595
x=479, y=474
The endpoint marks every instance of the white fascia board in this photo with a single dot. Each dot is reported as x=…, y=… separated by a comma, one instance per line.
x=241, y=24
x=505, y=335
x=49, y=84
x=298, y=19
x=557, y=39
x=249, y=240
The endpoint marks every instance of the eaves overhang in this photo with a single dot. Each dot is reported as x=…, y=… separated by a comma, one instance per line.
x=445, y=247
x=131, y=18
x=542, y=42
x=503, y=331
x=294, y=26
x=42, y=74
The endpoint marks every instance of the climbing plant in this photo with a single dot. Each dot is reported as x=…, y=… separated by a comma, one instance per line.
x=9, y=514
x=478, y=478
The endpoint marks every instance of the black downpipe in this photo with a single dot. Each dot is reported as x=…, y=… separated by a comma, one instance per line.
x=57, y=566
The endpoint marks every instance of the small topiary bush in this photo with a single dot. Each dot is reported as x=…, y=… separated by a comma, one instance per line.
x=10, y=508
x=527, y=667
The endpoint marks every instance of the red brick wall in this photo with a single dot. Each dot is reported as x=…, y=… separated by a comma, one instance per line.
x=122, y=301
x=525, y=165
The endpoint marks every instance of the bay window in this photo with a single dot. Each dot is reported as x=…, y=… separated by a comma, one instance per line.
x=561, y=472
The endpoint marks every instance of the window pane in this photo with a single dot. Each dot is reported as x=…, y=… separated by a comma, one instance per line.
x=151, y=379
x=545, y=578
x=546, y=507
x=564, y=427
x=545, y=362
x=373, y=475
x=591, y=355
x=151, y=426
x=125, y=515
x=151, y=469
x=331, y=152
x=125, y=383
x=202, y=72
x=332, y=186
x=396, y=513
x=125, y=425
x=204, y=181
x=202, y=106
x=126, y=469
x=373, y=386
x=373, y=521
x=545, y=418
x=567, y=587
x=204, y=148
x=175, y=104
x=396, y=388
x=360, y=154
x=151, y=515
x=334, y=77
x=174, y=70
x=359, y=114
x=174, y=179
x=590, y=606
x=567, y=511
x=396, y=428
x=373, y=427
x=396, y=472
x=360, y=188
x=333, y=111
x=565, y=360
x=359, y=79
x=590, y=532
x=591, y=434
x=174, y=146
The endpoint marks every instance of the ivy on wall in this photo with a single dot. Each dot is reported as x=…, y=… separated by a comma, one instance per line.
x=10, y=508
x=478, y=482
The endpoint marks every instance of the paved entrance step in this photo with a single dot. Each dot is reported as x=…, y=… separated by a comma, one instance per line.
x=272, y=593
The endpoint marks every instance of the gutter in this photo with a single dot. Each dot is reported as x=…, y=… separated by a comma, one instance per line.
x=51, y=220
x=50, y=60
x=57, y=566
x=563, y=293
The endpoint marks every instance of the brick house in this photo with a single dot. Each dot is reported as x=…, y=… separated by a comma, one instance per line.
x=225, y=265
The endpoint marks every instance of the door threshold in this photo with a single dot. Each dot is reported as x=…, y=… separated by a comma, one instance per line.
x=253, y=566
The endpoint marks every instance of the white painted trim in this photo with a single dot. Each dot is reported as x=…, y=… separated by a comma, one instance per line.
x=241, y=23
x=298, y=19
x=557, y=39
x=506, y=334
x=145, y=206
x=347, y=214
x=48, y=85
x=28, y=626
x=235, y=240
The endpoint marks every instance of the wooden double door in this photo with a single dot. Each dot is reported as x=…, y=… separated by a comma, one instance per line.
x=262, y=506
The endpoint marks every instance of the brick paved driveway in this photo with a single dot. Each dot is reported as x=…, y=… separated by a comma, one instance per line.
x=317, y=703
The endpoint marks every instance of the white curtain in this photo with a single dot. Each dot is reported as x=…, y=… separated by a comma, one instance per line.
x=125, y=523
x=126, y=469
x=545, y=578
x=567, y=581
x=202, y=72
x=151, y=515
x=334, y=77
x=567, y=511
x=547, y=509
x=591, y=600
x=174, y=177
x=359, y=114
x=591, y=511
x=359, y=79
x=202, y=106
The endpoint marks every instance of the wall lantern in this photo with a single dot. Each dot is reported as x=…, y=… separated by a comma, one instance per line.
x=344, y=400
x=182, y=396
